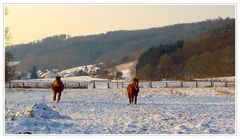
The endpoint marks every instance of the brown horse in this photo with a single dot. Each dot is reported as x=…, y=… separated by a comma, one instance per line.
x=133, y=90
x=57, y=88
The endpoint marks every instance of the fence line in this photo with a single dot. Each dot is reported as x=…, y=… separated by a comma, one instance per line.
x=118, y=85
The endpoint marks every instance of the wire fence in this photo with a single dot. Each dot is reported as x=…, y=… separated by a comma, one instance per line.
x=119, y=85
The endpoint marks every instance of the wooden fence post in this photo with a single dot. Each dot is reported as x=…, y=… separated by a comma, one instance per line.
x=108, y=85
x=150, y=85
x=166, y=84
x=226, y=84
x=196, y=84
x=122, y=84
x=94, y=85
x=181, y=84
x=211, y=84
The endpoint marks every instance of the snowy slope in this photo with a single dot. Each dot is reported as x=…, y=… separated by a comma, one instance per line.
x=86, y=68
x=128, y=69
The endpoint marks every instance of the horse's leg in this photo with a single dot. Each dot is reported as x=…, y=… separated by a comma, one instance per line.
x=135, y=99
x=59, y=97
x=132, y=98
x=54, y=95
x=129, y=98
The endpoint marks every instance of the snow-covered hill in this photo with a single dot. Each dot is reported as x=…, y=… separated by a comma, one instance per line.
x=69, y=79
x=81, y=70
x=84, y=70
x=128, y=69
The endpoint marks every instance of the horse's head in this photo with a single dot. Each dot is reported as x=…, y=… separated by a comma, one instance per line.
x=58, y=78
x=135, y=83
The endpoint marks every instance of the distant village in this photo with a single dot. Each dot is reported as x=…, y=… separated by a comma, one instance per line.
x=94, y=70
x=86, y=70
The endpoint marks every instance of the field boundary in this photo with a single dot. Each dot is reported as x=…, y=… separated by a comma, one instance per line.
x=119, y=85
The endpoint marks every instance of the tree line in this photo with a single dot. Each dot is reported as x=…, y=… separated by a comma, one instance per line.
x=210, y=54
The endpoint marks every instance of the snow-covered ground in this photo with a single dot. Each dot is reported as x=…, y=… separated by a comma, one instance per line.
x=228, y=78
x=106, y=111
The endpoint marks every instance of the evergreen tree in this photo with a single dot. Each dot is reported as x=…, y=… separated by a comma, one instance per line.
x=34, y=73
x=148, y=63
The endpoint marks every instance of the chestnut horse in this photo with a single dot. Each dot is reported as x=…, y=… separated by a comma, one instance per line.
x=133, y=90
x=57, y=88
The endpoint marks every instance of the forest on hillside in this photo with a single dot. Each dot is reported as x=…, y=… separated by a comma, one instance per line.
x=111, y=48
x=209, y=54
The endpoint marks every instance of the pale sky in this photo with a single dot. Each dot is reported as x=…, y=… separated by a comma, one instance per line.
x=29, y=23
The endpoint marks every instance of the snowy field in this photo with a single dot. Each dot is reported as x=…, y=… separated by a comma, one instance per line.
x=106, y=111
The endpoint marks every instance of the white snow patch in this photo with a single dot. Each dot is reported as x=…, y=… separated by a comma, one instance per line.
x=86, y=69
x=14, y=63
x=40, y=110
x=38, y=118
x=128, y=69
